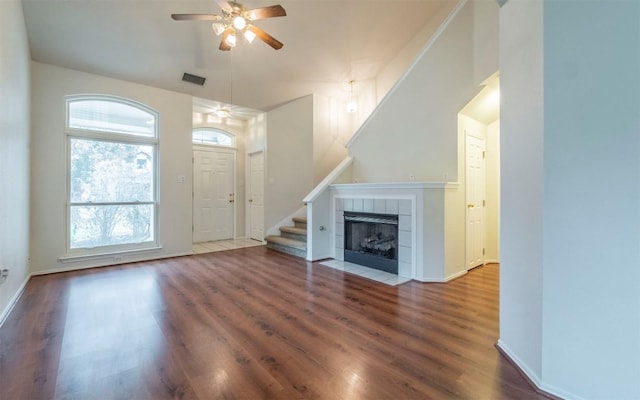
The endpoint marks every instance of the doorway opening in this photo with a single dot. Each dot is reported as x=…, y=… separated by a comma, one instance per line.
x=214, y=185
x=479, y=128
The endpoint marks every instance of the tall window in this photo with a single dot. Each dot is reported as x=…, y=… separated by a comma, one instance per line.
x=213, y=136
x=112, y=191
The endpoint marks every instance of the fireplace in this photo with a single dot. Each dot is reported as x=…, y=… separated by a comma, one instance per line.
x=371, y=240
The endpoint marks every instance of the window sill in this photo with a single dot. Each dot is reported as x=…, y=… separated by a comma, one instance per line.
x=117, y=256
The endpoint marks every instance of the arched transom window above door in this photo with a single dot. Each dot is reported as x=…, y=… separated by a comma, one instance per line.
x=213, y=136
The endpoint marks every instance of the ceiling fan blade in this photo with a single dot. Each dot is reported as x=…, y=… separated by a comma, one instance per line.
x=196, y=17
x=265, y=37
x=266, y=12
x=223, y=42
x=224, y=4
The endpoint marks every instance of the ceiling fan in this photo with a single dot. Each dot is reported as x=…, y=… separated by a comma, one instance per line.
x=235, y=20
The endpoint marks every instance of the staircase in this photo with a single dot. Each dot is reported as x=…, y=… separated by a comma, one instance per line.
x=292, y=239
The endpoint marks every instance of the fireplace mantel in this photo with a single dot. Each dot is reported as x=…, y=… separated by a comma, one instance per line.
x=394, y=185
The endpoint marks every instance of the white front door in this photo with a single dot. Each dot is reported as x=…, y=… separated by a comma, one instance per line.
x=213, y=195
x=475, y=184
x=256, y=196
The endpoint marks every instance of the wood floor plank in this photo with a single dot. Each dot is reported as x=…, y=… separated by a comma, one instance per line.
x=253, y=324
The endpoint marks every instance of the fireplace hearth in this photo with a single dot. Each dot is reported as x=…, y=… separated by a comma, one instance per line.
x=371, y=240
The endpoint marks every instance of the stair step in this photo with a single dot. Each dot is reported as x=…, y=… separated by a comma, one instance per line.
x=294, y=233
x=287, y=245
x=300, y=222
x=287, y=242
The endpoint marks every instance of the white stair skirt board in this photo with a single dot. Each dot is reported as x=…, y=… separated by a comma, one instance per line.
x=365, y=272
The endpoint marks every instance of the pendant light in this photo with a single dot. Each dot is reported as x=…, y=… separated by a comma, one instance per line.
x=352, y=105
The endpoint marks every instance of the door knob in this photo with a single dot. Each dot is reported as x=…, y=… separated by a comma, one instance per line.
x=250, y=200
x=230, y=201
x=469, y=205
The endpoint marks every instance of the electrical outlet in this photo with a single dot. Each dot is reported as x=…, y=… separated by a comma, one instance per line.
x=412, y=177
x=3, y=275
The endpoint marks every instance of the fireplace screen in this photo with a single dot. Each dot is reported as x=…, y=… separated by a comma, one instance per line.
x=371, y=240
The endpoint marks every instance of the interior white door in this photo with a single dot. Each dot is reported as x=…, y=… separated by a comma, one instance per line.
x=475, y=184
x=213, y=195
x=256, y=196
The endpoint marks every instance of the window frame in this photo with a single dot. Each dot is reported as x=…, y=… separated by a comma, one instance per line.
x=112, y=137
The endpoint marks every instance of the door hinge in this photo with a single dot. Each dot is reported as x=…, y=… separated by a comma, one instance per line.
x=484, y=154
x=483, y=251
x=483, y=203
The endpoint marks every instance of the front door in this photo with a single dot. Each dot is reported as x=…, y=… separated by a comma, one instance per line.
x=256, y=196
x=213, y=195
x=475, y=184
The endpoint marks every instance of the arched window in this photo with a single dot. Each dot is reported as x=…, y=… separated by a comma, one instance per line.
x=213, y=136
x=112, y=175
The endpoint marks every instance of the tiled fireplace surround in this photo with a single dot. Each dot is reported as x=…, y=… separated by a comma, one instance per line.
x=430, y=215
x=403, y=207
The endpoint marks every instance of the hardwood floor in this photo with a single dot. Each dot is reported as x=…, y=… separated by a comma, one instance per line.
x=253, y=324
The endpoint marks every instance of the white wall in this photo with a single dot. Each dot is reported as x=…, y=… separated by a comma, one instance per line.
x=486, y=39
x=393, y=71
x=49, y=86
x=289, y=159
x=256, y=136
x=14, y=150
x=412, y=134
x=591, y=295
x=521, y=222
x=454, y=232
x=329, y=137
x=570, y=190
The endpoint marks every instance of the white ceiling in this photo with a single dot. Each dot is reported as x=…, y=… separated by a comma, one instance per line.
x=485, y=106
x=326, y=44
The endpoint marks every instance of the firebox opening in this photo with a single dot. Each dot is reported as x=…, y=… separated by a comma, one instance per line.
x=371, y=240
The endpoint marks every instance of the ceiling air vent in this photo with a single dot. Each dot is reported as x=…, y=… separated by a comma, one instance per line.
x=198, y=80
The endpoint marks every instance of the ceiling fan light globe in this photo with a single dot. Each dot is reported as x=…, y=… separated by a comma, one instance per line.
x=249, y=35
x=239, y=22
x=231, y=40
x=218, y=28
x=352, y=106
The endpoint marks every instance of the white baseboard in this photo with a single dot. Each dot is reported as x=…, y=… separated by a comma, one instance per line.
x=454, y=276
x=110, y=264
x=442, y=280
x=524, y=368
x=492, y=261
x=318, y=258
x=14, y=300
x=533, y=378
